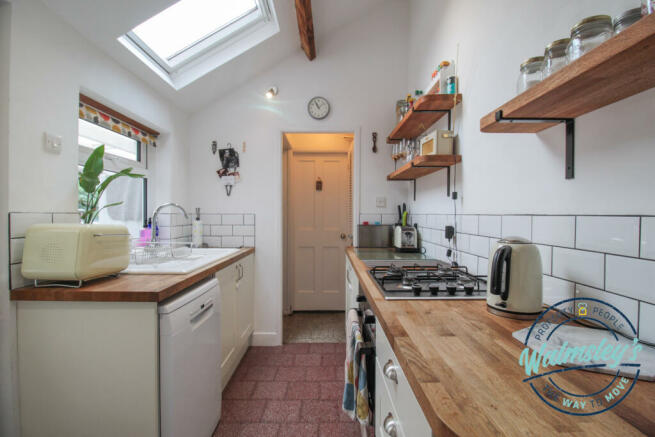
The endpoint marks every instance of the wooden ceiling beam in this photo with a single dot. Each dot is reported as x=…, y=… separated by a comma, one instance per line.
x=306, y=27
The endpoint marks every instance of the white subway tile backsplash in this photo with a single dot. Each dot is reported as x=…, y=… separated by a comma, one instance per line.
x=517, y=226
x=16, y=250
x=218, y=230
x=370, y=218
x=17, y=279
x=206, y=230
x=249, y=219
x=389, y=219
x=480, y=246
x=469, y=224
x=483, y=266
x=618, y=235
x=545, y=252
x=602, y=312
x=554, y=230
x=470, y=261
x=441, y=221
x=648, y=237
x=580, y=266
x=631, y=277
x=211, y=219
x=555, y=290
x=245, y=230
x=165, y=233
x=232, y=219
x=647, y=322
x=463, y=242
x=20, y=221
x=249, y=241
x=212, y=241
x=490, y=225
x=433, y=221
x=66, y=217
x=232, y=241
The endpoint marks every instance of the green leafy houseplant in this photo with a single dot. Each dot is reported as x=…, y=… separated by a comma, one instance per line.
x=90, y=188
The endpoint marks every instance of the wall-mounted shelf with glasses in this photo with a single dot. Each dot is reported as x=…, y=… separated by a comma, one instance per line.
x=427, y=110
x=619, y=68
x=423, y=166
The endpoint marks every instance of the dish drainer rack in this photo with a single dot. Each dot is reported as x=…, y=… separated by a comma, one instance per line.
x=150, y=252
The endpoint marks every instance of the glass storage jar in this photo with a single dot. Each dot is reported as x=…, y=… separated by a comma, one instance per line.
x=647, y=7
x=554, y=57
x=530, y=73
x=588, y=34
x=626, y=19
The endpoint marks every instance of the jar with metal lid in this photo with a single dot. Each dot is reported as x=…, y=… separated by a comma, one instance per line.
x=626, y=19
x=588, y=34
x=530, y=73
x=402, y=106
x=554, y=56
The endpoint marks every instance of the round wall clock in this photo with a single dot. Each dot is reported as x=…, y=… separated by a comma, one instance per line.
x=318, y=108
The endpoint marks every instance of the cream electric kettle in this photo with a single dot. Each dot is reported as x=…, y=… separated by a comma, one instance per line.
x=514, y=284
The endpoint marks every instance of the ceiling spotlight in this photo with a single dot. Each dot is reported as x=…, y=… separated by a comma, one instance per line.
x=271, y=92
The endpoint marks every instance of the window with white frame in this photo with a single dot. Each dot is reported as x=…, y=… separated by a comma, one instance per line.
x=192, y=37
x=120, y=152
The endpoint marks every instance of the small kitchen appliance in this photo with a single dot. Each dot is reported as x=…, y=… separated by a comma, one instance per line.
x=405, y=239
x=74, y=252
x=426, y=280
x=515, y=279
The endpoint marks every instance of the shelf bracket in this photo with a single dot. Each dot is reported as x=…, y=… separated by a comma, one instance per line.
x=570, y=136
x=447, y=167
x=448, y=111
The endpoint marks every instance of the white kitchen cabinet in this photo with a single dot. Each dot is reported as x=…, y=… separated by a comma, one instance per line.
x=391, y=382
x=237, y=285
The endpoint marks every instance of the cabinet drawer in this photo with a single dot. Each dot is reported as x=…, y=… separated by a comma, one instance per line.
x=384, y=408
x=402, y=397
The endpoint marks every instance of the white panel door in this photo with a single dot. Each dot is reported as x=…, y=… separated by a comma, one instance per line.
x=319, y=225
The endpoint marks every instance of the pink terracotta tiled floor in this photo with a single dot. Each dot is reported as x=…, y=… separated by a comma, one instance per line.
x=286, y=391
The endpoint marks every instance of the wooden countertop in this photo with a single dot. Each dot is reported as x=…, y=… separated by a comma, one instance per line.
x=461, y=363
x=129, y=288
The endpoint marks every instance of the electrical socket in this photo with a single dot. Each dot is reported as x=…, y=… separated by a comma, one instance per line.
x=52, y=143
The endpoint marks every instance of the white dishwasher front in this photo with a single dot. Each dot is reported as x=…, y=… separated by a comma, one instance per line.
x=189, y=362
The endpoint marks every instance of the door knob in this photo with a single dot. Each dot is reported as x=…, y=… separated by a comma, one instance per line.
x=342, y=236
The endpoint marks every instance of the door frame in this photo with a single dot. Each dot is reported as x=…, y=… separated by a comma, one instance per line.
x=287, y=297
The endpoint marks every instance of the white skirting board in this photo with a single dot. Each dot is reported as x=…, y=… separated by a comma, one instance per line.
x=266, y=338
x=578, y=336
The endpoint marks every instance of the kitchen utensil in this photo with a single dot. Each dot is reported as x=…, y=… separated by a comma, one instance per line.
x=400, y=215
x=554, y=56
x=626, y=19
x=404, y=221
x=530, y=73
x=588, y=34
x=514, y=279
x=74, y=252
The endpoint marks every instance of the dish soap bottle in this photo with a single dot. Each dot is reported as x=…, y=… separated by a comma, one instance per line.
x=196, y=230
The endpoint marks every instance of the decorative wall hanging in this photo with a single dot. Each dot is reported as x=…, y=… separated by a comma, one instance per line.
x=229, y=171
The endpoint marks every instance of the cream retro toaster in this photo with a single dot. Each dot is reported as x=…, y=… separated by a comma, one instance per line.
x=75, y=252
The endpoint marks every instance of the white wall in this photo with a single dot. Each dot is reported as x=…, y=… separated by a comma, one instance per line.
x=524, y=173
x=8, y=376
x=50, y=64
x=355, y=72
x=44, y=64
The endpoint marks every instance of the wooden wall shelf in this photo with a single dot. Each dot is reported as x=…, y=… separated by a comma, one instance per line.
x=422, y=166
x=621, y=67
x=427, y=110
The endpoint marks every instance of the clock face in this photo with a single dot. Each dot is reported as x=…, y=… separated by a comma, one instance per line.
x=318, y=108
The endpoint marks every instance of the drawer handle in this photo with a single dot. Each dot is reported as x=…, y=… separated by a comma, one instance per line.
x=389, y=371
x=390, y=426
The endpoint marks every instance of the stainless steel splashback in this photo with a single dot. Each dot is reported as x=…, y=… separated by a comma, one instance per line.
x=375, y=235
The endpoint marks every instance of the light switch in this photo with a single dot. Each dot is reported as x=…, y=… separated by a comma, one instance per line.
x=381, y=202
x=52, y=143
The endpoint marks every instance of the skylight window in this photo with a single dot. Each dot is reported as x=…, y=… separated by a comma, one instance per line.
x=192, y=37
